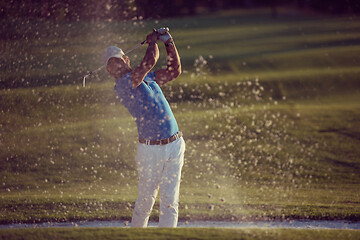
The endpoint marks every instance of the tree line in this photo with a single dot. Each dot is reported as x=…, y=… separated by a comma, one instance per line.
x=129, y=9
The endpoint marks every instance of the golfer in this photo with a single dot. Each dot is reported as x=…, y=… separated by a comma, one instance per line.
x=160, y=151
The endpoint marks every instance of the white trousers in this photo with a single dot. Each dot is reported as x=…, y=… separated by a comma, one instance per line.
x=159, y=166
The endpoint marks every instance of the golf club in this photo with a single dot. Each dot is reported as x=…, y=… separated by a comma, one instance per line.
x=98, y=69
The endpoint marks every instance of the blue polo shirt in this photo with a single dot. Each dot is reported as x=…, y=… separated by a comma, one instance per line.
x=148, y=106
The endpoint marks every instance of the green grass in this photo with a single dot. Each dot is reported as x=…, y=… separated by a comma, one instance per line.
x=244, y=43
x=271, y=119
x=187, y=233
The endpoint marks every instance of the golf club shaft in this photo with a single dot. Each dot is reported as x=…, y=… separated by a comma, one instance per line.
x=98, y=69
x=135, y=47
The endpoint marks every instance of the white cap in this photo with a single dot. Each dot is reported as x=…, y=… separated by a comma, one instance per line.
x=110, y=52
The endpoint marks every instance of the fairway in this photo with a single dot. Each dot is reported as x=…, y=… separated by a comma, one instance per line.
x=269, y=108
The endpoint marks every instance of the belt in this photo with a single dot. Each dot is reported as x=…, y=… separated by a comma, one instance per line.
x=161, y=141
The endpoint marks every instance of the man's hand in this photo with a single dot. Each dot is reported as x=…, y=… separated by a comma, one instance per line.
x=152, y=37
x=164, y=35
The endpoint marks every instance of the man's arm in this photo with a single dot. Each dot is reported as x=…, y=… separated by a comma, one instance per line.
x=173, y=69
x=148, y=62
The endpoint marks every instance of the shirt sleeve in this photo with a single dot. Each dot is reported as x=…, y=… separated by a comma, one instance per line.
x=151, y=75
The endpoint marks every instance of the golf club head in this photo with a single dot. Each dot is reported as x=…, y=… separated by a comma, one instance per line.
x=84, y=80
x=90, y=73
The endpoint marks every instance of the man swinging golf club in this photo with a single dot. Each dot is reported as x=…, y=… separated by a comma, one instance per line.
x=160, y=151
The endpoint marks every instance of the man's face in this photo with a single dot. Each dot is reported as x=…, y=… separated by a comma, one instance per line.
x=116, y=66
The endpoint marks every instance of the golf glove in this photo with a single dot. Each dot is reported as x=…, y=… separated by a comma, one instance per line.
x=163, y=34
